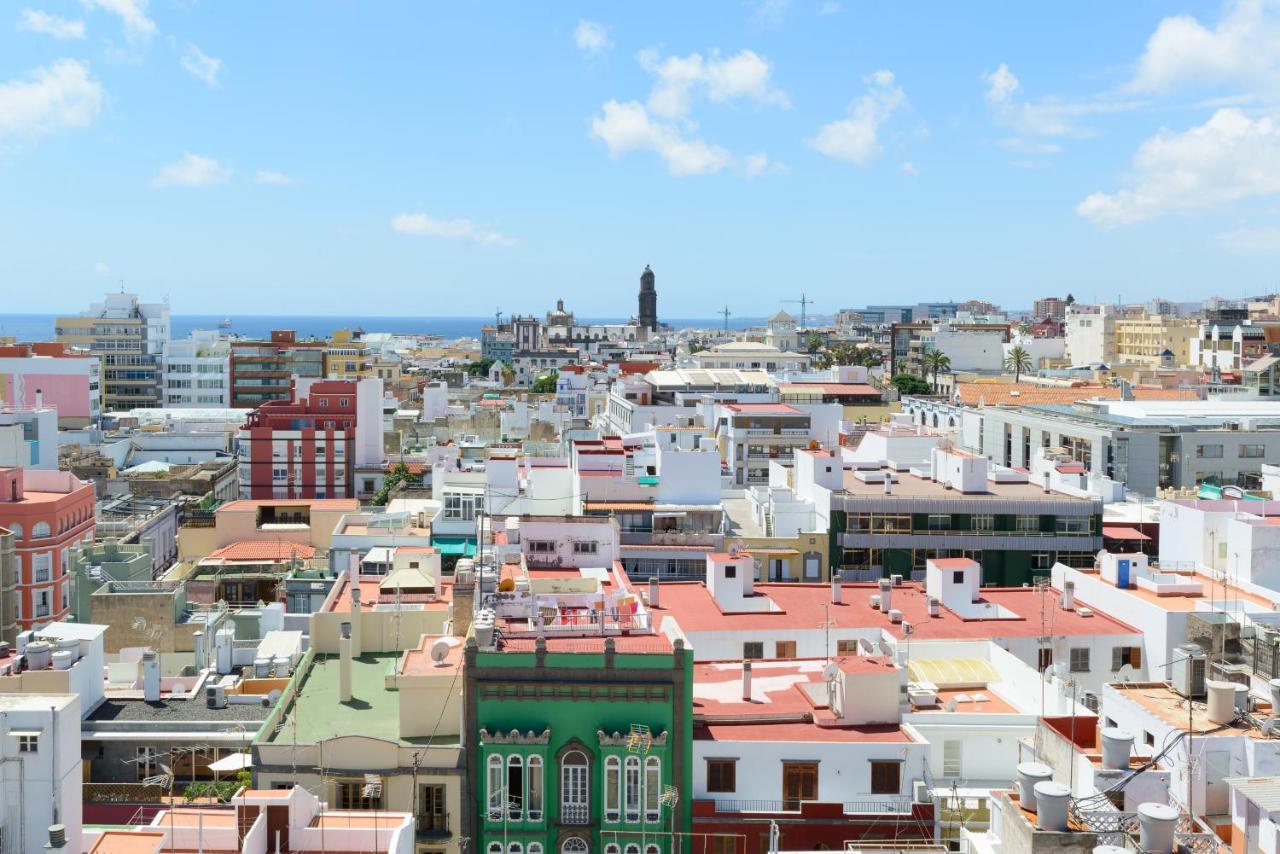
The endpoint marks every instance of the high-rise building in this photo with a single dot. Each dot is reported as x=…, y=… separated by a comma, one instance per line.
x=197, y=371
x=648, y=316
x=129, y=336
x=1050, y=307
x=264, y=370
x=316, y=443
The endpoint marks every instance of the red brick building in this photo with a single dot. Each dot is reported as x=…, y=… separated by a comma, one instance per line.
x=48, y=513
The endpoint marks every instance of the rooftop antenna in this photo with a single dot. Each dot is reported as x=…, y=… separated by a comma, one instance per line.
x=804, y=303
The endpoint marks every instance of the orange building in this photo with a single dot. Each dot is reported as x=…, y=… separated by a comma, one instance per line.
x=48, y=513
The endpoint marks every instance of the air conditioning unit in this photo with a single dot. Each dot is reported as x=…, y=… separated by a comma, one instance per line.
x=1187, y=670
x=215, y=696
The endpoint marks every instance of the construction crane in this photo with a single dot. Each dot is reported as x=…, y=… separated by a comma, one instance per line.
x=497, y=318
x=804, y=303
x=724, y=312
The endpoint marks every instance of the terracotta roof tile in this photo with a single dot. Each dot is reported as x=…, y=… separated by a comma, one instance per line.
x=266, y=550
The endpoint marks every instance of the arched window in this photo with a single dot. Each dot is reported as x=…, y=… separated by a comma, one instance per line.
x=632, y=848
x=575, y=805
x=612, y=848
x=515, y=848
x=632, y=790
x=533, y=806
x=652, y=849
x=495, y=848
x=535, y=848
x=612, y=788
x=16, y=530
x=495, y=791
x=515, y=788
x=652, y=788
x=574, y=844
x=39, y=529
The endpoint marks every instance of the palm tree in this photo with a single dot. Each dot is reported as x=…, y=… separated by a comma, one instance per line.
x=1019, y=361
x=935, y=361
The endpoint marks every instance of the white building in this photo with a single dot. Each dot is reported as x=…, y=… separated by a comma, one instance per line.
x=969, y=349
x=197, y=371
x=1091, y=334
x=750, y=356
x=40, y=767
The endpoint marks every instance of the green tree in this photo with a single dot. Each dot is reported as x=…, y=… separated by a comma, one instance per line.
x=935, y=362
x=813, y=342
x=508, y=374
x=545, y=384
x=399, y=474
x=480, y=368
x=910, y=384
x=1018, y=361
x=1071, y=300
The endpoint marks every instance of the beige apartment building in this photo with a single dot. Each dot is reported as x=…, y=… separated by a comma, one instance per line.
x=129, y=337
x=1145, y=339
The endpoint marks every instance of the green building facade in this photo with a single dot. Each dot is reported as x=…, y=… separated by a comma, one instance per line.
x=579, y=752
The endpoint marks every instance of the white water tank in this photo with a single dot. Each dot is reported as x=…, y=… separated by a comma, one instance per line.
x=1156, y=824
x=1110, y=849
x=39, y=655
x=261, y=667
x=1030, y=773
x=1242, y=698
x=1273, y=688
x=1221, y=704
x=70, y=645
x=62, y=659
x=1117, y=744
x=1051, y=805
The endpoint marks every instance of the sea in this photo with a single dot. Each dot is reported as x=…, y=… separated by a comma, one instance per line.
x=39, y=327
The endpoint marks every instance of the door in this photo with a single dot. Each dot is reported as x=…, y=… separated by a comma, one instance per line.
x=799, y=783
x=812, y=567
x=574, y=806
x=1216, y=792
x=777, y=568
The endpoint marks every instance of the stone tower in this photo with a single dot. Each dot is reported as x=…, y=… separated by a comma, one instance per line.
x=648, y=316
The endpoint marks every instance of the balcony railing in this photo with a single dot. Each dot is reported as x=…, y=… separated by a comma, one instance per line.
x=434, y=825
x=890, y=805
x=577, y=814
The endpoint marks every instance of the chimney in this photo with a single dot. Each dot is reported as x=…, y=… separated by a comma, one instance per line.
x=150, y=677
x=57, y=838
x=1046, y=483
x=344, y=664
x=355, y=620
x=888, y=484
x=746, y=681
x=886, y=595
x=1068, y=596
x=463, y=610
x=653, y=593
x=198, y=658
x=934, y=609
x=837, y=590
x=39, y=398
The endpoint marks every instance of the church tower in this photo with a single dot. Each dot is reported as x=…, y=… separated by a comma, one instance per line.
x=648, y=316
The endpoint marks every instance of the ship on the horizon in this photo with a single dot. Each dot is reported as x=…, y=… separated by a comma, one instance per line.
x=225, y=323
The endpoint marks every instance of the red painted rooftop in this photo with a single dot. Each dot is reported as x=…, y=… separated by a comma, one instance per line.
x=657, y=643
x=800, y=731
x=763, y=408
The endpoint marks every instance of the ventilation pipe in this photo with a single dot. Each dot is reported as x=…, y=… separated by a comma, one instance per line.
x=1046, y=483
x=888, y=484
x=837, y=590
x=57, y=838
x=886, y=595
x=653, y=593
x=356, y=649
x=746, y=681
x=1068, y=596
x=150, y=677
x=39, y=398
x=934, y=606
x=344, y=664
x=198, y=639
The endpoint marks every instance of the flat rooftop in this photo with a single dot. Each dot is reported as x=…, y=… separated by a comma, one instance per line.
x=1216, y=594
x=1170, y=708
x=802, y=607
x=316, y=713
x=907, y=485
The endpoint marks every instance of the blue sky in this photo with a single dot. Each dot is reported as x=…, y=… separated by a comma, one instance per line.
x=447, y=159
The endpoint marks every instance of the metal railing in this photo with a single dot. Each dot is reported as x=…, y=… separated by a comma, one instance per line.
x=577, y=814
x=433, y=825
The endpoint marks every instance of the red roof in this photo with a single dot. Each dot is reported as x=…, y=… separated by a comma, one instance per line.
x=800, y=731
x=657, y=643
x=763, y=408
x=835, y=388
x=263, y=550
x=1120, y=532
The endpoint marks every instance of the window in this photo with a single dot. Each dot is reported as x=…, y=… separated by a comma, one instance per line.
x=784, y=649
x=753, y=649
x=726, y=845
x=1079, y=659
x=359, y=795
x=542, y=546
x=1026, y=524
x=535, y=848
x=952, y=758
x=652, y=788
x=495, y=848
x=39, y=530
x=1209, y=452
x=28, y=742
x=612, y=788
x=722, y=775
x=515, y=788
x=799, y=783
x=984, y=522
x=1122, y=655
x=574, y=780
x=1046, y=659
x=1252, y=452
x=534, y=806
x=1074, y=524
x=495, y=788
x=148, y=759
x=613, y=848
x=1040, y=560
x=957, y=576
x=731, y=571
x=515, y=848
x=585, y=548
x=432, y=817
x=1149, y=738
x=632, y=788
x=573, y=845
x=939, y=522
x=846, y=647
x=886, y=778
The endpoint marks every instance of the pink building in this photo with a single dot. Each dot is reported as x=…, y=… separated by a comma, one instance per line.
x=51, y=375
x=48, y=513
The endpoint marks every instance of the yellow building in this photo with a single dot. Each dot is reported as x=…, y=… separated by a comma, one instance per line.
x=346, y=357
x=1146, y=338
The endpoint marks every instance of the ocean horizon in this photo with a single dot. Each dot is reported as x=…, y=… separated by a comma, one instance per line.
x=39, y=327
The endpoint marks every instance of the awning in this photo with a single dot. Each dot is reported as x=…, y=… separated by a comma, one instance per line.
x=456, y=546
x=233, y=762
x=953, y=671
x=1120, y=532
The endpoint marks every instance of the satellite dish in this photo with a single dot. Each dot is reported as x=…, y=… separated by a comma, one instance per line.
x=440, y=649
x=831, y=672
x=885, y=649
x=1125, y=673
x=950, y=706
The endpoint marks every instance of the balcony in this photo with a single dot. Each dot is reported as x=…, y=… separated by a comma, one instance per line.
x=888, y=805
x=575, y=814
x=433, y=825
x=671, y=538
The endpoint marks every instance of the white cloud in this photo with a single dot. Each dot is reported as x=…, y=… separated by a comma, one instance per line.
x=1261, y=241
x=422, y=225
x=769, y=13
x=270, y=176
x=592, y=37
x=49, y=99
x=909, y=168
x=744, y=76
x=132, y=14
x=830, y=7
x=1018, y=145
x=200, y=64
x=628, y=127
x=193, y=170
x=1243, y=48
x=101, y=269
x=1229, y=157
x=35, y=21
x=755, y=165
x=856, y=139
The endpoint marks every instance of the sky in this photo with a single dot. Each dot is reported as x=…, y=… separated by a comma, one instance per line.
x=437, y=159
